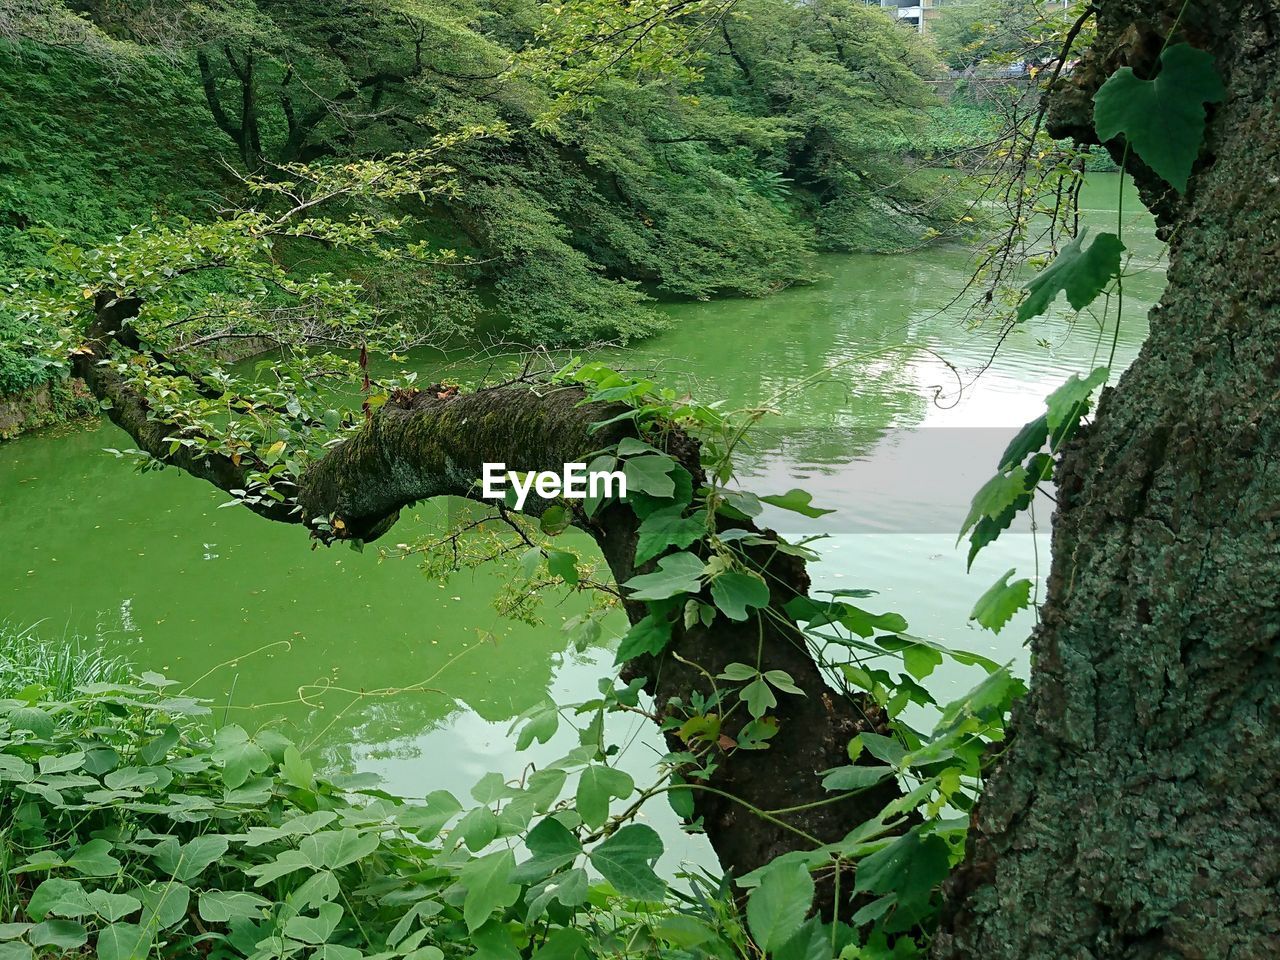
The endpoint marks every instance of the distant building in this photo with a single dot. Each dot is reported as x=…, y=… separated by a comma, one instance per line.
x=914, y=13
x=919, y=13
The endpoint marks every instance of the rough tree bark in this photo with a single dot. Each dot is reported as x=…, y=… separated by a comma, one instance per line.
x=1136, y=813
x=422, y=445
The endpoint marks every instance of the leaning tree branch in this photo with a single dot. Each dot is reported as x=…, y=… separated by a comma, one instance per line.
x=421, y=445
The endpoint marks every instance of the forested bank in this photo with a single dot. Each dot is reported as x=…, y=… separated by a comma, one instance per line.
x=796, y=130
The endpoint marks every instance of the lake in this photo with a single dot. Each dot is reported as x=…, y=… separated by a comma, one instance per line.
x=383, y=669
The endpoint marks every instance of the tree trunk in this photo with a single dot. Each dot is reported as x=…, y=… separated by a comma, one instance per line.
x=1136, y=812
x=431, y=443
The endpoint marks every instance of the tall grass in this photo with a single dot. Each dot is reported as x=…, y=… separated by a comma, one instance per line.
x=57, y=664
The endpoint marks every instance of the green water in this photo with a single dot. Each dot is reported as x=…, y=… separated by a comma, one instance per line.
x=153, y=565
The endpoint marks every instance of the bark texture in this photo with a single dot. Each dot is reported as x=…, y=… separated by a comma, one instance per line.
x=1136, y=813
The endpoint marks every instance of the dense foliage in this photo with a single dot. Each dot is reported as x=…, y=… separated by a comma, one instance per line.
x=786, y=135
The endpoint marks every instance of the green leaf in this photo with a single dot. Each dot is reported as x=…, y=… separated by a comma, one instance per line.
x=52, y=763
x=60, y=898
x=1002, y=600
x=297, y=770
x=734, y=592
x=758, y=697
x=488, y=887
x=644, y=505
x=93, y=859
x=920, y=659
x=219, y=906
x=1083, y=274
x=426, y=821
x=1027, y=441
x=1070, y=401
x=555, y=520
x=668, y=528
x=188, y=861
x=777, y=907
x=797, y=501
x=332, y=849
x=540, y=723
x=676, y=574
x=237, y=755
x=597, y=785
x=854, y=777
x=602, y=464
x=113, y=906
x=553, y=846
x=164, y=904
x=626, y=860
x=64, y=934
x=650, y=635
x=123, y=941
x=996, y=496
x=1162, y=119
x=562, y=564
x=909, y=867
x=864, y=624
x=315, y=929
x=33, y=719
x=15, y=951
x=477, y=828
x=651, y=475
x=570, y=888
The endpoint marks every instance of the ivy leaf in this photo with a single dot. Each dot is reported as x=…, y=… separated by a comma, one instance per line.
x=734, y=592
x=597, y=785
x=1083, y=274
x=626, y=861
x=650, y=635
x=650, y=474
x=797, y=501
x=1162, y=119
x=676, y=574
x=667, y=528
x=488, y=887
x=1002, y=600
x=777, y=907
x=1070, y=401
